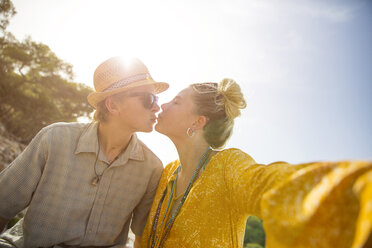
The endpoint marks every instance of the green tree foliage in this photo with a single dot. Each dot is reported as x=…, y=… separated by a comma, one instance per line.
x=35, y=85
x=7, y=10
x=252, y=246
x=254, y=233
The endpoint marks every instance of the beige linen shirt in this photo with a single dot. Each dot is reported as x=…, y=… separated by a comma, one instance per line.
x=53, y=175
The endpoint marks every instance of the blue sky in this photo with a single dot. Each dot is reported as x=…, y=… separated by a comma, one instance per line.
x=305, y=67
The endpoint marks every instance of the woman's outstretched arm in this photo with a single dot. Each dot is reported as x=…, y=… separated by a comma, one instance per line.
x=306, y=205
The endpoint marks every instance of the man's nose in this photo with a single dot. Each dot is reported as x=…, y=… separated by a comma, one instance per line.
x=156, y=107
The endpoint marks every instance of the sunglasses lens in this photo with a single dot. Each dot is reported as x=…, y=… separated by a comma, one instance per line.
x=150, y=100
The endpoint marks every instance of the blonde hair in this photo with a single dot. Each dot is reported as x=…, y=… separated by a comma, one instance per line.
x=221, y=104
x=101, y=114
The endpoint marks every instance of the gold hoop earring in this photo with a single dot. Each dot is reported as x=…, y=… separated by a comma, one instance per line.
x=188, y=132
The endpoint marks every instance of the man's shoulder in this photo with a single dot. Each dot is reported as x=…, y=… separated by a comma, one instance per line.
x=64, y=130
x=65, y=126
x=149, y=155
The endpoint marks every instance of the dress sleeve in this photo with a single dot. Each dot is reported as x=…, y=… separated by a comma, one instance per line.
x=318, y=206
x=19, y=180
x=363, y=189
x=323, y=204
x=247, y=181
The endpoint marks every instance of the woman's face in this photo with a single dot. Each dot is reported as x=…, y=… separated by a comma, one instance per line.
x=177, y=115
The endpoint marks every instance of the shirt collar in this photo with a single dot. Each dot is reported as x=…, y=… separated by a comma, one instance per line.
x=88, y=142
x=133, y=151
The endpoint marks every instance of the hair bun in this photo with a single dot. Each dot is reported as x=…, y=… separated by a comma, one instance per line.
x=232, y=97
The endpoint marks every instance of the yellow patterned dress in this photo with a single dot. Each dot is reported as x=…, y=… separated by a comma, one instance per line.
x=321, y=204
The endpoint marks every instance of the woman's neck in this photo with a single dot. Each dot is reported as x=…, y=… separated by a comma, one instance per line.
x=113, y=140
x=190, y=152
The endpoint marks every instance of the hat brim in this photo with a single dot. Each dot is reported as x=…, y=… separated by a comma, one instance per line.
x=95, y=97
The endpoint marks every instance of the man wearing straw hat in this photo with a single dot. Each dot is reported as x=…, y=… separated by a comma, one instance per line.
x=84, y=184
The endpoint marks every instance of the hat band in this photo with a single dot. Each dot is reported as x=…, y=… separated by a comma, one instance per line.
x=126, y=81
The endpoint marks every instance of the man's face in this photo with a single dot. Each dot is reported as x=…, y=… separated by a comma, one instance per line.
x=136, y=109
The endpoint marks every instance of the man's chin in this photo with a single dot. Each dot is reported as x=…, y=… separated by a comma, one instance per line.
x=148, y=130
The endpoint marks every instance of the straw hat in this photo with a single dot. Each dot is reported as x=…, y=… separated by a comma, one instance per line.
x=116, y=75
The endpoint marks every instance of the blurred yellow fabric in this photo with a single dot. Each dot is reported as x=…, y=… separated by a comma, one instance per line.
x=322, y=204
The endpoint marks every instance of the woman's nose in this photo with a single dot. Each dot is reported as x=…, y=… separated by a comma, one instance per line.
x=163, y=106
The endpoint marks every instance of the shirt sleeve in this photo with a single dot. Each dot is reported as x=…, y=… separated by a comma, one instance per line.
x=19, y=180
x=141, y=212
x=305, y=205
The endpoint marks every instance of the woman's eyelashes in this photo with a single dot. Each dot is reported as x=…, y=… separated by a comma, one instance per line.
x=175, y=101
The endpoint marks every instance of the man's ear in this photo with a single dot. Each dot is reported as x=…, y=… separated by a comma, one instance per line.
x=200, y=122
x=111, y=106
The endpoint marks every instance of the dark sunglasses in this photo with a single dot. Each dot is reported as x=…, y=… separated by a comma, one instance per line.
x=148, y=99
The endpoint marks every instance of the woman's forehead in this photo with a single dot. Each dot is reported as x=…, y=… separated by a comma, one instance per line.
x=185, y=92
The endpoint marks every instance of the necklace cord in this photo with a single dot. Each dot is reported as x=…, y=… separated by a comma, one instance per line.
x=97, y=178
x=153, y=235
